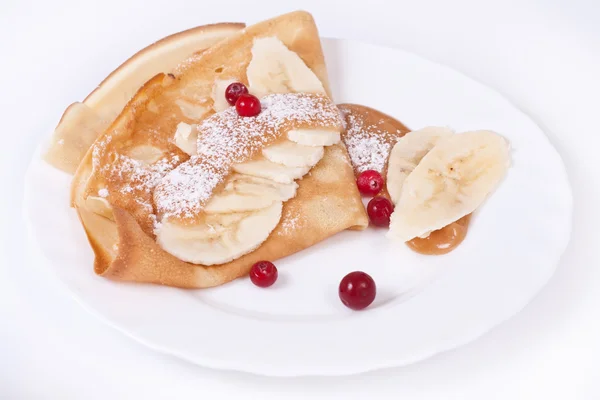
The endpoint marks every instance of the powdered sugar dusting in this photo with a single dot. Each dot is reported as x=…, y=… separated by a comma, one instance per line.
x=226, y=135
x=135, y=179
x=225, y=139
x=290, y=223
x=368, y=143
x=367, y=152
x=138, y=176
x=99, y=150
x=186, y=188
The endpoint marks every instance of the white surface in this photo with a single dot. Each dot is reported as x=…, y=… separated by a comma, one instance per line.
x=504, y=261
x=543, y=55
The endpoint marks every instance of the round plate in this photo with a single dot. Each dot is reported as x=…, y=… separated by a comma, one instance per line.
x=299, y=327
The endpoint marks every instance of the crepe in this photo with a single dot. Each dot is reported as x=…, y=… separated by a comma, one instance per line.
x=118, y=226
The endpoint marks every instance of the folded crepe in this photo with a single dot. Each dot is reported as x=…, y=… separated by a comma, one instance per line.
x=121, y=187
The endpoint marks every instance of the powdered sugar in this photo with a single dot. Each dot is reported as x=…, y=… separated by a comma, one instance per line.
x=225, y=139
x=136, y=179
x=368, y=144
x=290, y=222
x=288, y=225
x=186, y=188
x=139, y=176
x=103, y=192
x=367, y=151
x=225, y=135
x=99, y=149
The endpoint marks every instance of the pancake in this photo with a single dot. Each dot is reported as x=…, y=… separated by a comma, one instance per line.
x=117, y=208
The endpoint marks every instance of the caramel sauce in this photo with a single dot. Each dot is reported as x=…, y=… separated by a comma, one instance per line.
x=443, y=240
x=369, y=138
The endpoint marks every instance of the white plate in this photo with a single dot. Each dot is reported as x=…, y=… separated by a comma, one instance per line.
x=299, y=327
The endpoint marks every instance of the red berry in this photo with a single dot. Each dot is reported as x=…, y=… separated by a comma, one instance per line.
x=369, y=182
x=263, y=273
x=247, y=105
x=357, y=290
x=380, y=209
x=233, y=92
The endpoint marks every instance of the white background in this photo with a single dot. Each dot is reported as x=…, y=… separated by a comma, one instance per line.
x=542, y=55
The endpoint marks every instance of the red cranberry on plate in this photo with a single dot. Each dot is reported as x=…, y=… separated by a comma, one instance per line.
x=263, y=273
x=380, y=209
x=357, y=290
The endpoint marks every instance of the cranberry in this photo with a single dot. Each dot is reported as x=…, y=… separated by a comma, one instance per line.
x=369, y=182
x=357, y=290
x=263, y=273
x=380, y=209
x=247, y=105
x=234, y=91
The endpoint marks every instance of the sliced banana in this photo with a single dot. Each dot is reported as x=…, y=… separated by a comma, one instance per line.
x=220, y=238
x=192, y=110
x=185, y=138
x=145, y=153
x=244, y=193
x=255, y=229
x=270, y=170
x=408, y=152
x=314, y=137
x=276, y=69
x=252, y=185
x=220, y=103
x=234, y=202
x=292, y=154
x=99, y=205
x=451, y=181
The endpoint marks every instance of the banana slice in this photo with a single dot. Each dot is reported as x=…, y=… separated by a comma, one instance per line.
x=218, y=94
x=99, y=205
x=244, y=193
x=145, y=153
x=292, y=154
x=252, y=185
x=185, y=138
x=314, y=137
x=451, y=181
x=192, y=110
x=276, y=69
x=220, y=238
x=270, y=170
x=234, y=202
x=407, y=153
